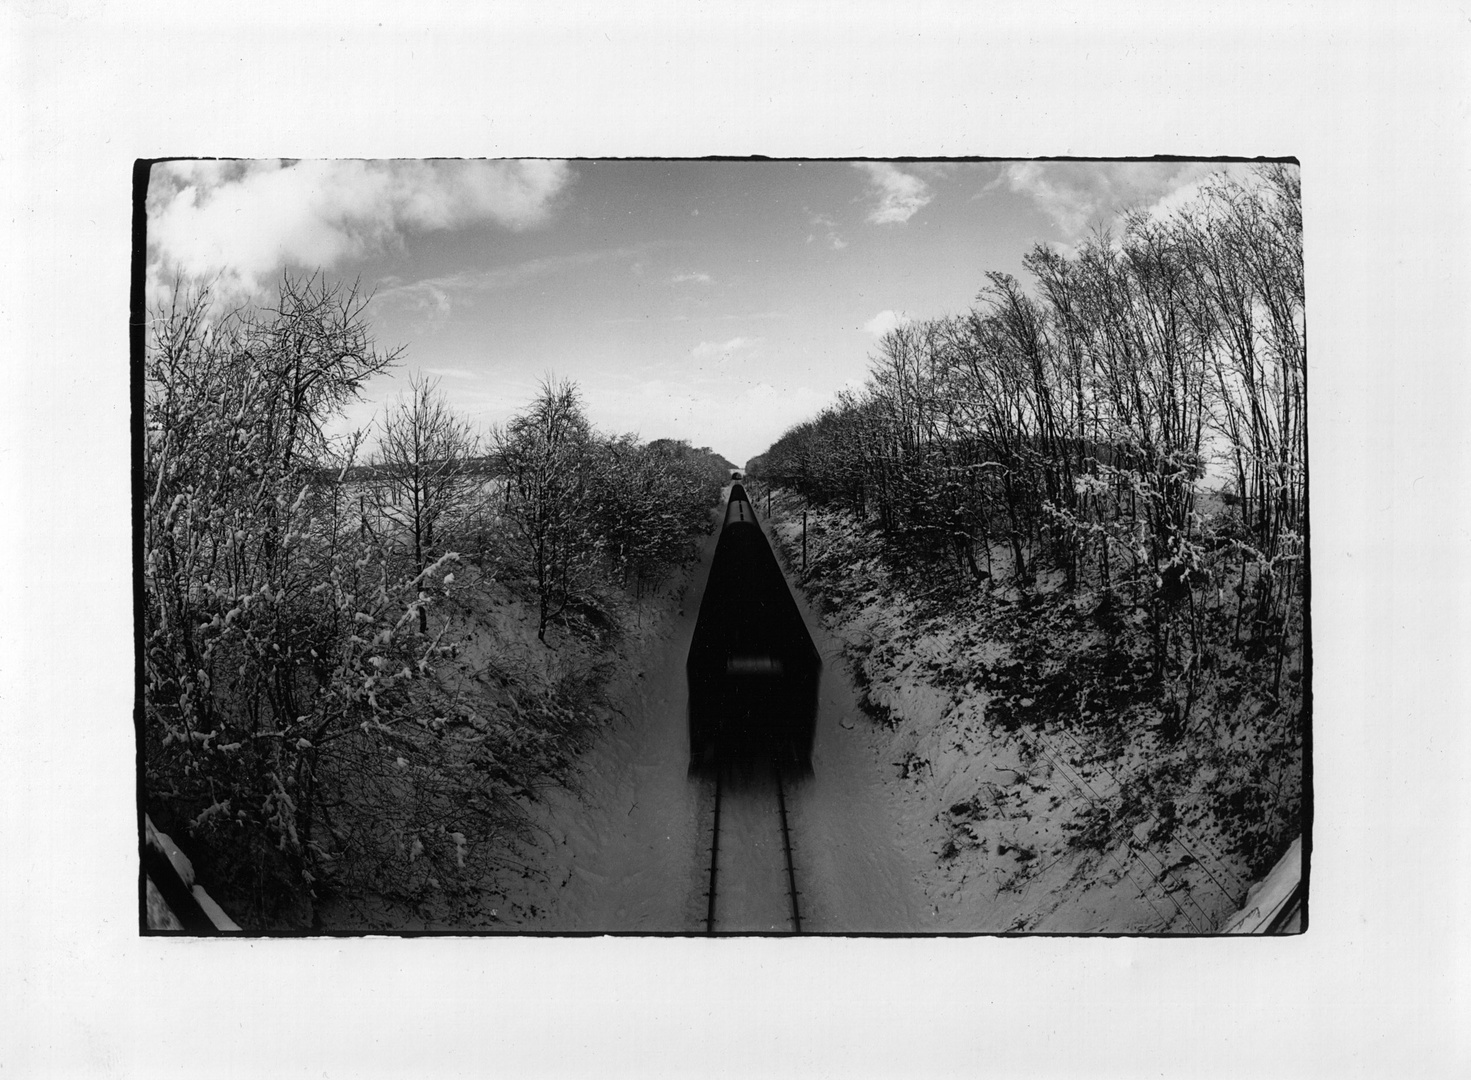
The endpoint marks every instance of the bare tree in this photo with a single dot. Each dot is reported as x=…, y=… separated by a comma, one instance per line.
x=288, y=726
x=646, y=503
x=238, y=635
x=421, y=475
x=544, y=454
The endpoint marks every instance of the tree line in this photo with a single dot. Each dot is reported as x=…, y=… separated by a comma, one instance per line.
x=1077, y=423
x=295, y=590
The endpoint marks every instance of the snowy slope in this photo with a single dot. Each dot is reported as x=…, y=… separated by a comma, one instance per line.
x=1000, y=816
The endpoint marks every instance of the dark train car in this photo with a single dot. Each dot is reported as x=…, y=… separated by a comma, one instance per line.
x=753, y=670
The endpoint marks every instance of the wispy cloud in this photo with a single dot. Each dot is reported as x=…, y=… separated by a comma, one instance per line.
x=885, y=321
x=433, y=297
x=1079, y=195
x=900, y=194
x=723, y=348
x=245, y=220
x=829, y=228
x=936, y=170
x=426, y=303
x=1190, y=182
x=698, y=277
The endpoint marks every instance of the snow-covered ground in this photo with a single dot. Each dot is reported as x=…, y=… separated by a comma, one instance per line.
x=938, y=821
x=992, y=816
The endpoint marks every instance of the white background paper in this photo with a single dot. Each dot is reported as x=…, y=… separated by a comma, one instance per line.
x=1372, y=98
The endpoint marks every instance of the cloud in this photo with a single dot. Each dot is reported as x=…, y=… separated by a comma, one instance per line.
x=431, y=299
x=1079, y=195
x=900, y=194
x=1191, y=182
x=722, y=348
x=936, y=170
x=245, y=220
x=699, y=277
x=425, y=302
x=829, y=228
x=885, y=321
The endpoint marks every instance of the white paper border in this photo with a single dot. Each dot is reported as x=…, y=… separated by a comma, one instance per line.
x=1375, y=105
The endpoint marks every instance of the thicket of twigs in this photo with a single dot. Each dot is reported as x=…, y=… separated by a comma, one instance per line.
x=1130, y=432
x=295, y=726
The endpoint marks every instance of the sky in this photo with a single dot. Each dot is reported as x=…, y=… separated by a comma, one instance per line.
x=719, y=302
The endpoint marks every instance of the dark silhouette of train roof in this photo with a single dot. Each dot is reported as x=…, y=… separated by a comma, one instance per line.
x=753, y=670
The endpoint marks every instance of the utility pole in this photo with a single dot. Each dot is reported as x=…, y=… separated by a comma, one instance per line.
x=804, y=541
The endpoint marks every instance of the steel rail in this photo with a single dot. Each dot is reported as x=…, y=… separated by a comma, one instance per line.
x=786, y=843
x=714, y=859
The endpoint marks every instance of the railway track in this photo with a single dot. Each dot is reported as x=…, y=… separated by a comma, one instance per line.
x=753, y=879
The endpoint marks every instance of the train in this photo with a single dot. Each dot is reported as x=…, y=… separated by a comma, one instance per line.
x=753, y=669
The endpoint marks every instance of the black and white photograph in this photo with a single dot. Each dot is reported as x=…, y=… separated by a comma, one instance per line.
x=806, y=539
x=679, y=546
